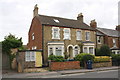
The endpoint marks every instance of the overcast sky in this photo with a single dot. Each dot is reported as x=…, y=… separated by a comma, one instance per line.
x=16, y=15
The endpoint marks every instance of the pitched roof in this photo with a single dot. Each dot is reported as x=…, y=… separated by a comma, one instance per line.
x=63, y=22
x=109, y=32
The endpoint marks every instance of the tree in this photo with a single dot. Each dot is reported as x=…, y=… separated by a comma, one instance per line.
x=10, y=42
x=104, y=51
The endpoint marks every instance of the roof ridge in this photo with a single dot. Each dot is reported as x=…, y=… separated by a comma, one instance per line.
x=106, y=28
x=57, y=17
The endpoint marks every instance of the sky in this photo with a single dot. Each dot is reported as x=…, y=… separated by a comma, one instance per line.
x=16, y=15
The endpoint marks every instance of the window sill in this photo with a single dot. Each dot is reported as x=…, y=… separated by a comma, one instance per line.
x=56, y=38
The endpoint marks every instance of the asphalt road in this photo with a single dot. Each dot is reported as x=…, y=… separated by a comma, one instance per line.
x=98, y=74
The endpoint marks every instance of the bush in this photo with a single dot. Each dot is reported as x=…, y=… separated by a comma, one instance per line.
x=115, y=59
x=103, y=51
x=84, y=57
x=101, y=59
x=56, y=58
x=97, y=52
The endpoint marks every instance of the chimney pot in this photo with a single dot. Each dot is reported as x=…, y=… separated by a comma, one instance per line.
x=80, y=17
x=35, y=11
x=93, y=23
x=118, y=28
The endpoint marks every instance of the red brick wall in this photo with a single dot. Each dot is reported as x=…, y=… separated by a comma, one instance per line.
x=109, y=41
x=35, y=28
x=64, y=65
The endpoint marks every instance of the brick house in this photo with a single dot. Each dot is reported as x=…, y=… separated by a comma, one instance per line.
x=107, y=36
x=55, y=35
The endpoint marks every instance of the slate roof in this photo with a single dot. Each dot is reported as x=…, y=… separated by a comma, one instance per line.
x=63, y=22
x=109, y=32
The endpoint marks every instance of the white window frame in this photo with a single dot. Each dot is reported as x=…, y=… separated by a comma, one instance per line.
x=57, y=32
x=77, y=36
x=88, y=49
x=31, y=54
x=54, y=49
x=33, y=36
x=69, y=34
x=114, y=42
x=27, y=56
x=78, y=48
x=99, y=38
x=34, y=47
x=87, y=36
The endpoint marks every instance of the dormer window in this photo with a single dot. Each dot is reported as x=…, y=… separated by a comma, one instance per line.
x=57, y=21
x=33, y=37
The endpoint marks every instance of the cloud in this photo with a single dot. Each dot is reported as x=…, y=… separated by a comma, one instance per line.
x=16, y=15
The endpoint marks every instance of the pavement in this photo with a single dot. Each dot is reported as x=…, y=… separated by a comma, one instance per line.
x=63, y=72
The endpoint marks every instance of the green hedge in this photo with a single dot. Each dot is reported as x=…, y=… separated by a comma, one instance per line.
x=116, y=59
x=99, y=59
x=84, y=57
x=56, y=58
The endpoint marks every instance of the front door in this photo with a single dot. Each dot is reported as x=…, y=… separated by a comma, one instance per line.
x=70, y=52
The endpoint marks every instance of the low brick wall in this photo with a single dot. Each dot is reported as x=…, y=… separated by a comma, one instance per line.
x=64, y=65
x=102, y=64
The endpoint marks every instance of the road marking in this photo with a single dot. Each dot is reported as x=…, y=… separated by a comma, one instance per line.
x=105, y=71
x=54, y=76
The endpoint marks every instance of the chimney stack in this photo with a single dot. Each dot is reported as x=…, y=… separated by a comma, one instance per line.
x=35, y=11
x=80, y=17
x=118, y=28
x=93, y=23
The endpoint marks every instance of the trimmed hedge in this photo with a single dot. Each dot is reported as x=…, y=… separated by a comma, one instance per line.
x=84, y=57
x=99, y=59
x=116, y=59
x=56, y=58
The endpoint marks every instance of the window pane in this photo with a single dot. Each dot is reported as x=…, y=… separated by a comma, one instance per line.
x=50, y=51
x=27, y=56
x=66, y=33
x=55, y=33
x=114, y=43
x=85, y=50
x=87, y=35
x=76, y=51
x=32, y=55
x=91, y=50
x=58, y=51
x=78, y=35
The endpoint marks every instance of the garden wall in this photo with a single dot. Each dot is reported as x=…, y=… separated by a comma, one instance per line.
x=102, y=64
x=64, y=65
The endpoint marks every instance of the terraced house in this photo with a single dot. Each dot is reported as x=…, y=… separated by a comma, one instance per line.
x=109, y=37
x=59, y=36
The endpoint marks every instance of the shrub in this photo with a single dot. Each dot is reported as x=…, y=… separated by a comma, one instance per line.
x=103, y=51
x=56, y=58
x=97, y=52
x=101, y=59
x=116, y=59
x=84, y=57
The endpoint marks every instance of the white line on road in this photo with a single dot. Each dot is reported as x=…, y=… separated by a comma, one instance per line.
x=54, y=76
x=106, y=71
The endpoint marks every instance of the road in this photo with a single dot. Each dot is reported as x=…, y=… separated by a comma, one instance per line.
x=98, y=74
